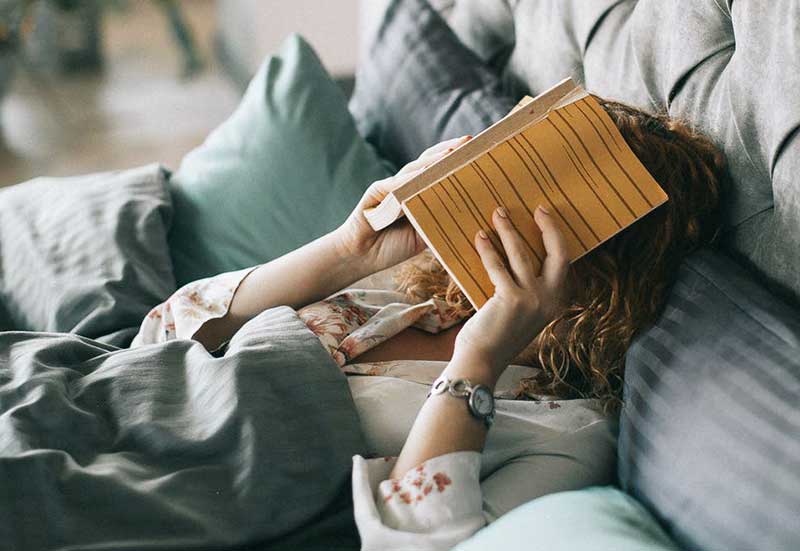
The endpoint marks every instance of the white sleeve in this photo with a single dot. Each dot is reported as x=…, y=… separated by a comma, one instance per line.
x=185, y=312
x=434, y=506
x=575, y=460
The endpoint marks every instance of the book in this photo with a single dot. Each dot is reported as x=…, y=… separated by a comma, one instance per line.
x=560, y=150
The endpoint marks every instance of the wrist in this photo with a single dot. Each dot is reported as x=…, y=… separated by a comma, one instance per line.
x=477, y=368
x=356, y=262
x=333, y=271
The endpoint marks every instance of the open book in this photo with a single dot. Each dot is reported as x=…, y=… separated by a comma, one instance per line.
x=560, y=150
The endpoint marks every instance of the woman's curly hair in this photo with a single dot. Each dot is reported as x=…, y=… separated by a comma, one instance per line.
x=621, y=287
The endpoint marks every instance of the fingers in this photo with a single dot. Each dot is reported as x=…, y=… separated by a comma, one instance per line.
x=520, y=256
x=434, y=153
x=383, y=187
x=380, y=189
x=444, y=147
x=556, y=263
x=492, y=261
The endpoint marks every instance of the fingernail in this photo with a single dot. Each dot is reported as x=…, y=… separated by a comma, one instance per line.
x=450, y=149
x=502, y=212
x=483, y=235
x=544, y=209
x=468, y=137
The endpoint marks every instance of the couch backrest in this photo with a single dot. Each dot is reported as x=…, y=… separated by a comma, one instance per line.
x=732, y=69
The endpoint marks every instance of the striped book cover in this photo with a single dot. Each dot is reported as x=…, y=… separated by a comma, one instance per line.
x=569, y=157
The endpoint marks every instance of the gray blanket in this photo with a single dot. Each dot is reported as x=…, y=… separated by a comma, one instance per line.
x=166, y=447
x=163, y=446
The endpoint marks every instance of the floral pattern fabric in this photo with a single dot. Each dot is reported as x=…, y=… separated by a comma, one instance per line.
x=347, y=323
x=185, y=312
x=353, y=321
x=434, y=506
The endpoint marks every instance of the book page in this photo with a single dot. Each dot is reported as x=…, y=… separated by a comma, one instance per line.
x=574, y=162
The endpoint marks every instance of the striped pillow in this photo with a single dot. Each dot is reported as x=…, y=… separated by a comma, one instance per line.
x=420, y=85
x=86, y=254
x=710, y=433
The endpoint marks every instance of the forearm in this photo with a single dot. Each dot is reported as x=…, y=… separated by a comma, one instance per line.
x=444, y=424
x=296, y=279
x=522, y=304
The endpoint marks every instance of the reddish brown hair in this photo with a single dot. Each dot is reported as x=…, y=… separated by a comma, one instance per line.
x=621, y=287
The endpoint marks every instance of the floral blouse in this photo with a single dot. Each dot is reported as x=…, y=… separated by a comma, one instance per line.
x=438, y=504
x=352, y=321
x=347, y=323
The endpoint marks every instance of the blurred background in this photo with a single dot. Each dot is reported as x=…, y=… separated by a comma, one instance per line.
x=96, y=85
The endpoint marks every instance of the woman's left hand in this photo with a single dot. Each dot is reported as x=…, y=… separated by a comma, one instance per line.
x=398, y=242
x=523, y=301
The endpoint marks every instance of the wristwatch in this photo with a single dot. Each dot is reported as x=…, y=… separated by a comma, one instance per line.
x=480, y=401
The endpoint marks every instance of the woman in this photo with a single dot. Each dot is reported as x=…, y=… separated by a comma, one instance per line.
x=565, y=330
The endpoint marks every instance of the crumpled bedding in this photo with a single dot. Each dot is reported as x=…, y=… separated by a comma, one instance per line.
x=166, y=447
x=161, y=446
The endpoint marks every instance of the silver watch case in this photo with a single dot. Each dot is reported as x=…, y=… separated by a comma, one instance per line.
x=481, y=403
x=480, y=400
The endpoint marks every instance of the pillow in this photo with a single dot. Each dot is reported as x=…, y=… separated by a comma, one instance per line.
x=87, y=254
x=285, y=168
x=487, y=28
x=594, y=519
x=420, y=85
x=710, y=434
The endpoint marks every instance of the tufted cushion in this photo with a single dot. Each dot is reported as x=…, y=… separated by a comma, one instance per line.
x=710, y=433
x=730, y=68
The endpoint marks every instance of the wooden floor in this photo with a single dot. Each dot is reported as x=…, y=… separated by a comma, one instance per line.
x=138, y=110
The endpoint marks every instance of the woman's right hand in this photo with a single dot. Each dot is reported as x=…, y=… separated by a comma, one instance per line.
x=523, y=301
x=381, y=249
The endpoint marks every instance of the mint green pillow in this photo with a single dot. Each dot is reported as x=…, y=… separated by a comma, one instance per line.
x=285, y=168
x=594, y=519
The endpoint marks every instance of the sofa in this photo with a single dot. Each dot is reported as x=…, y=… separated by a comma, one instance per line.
x=97, y=451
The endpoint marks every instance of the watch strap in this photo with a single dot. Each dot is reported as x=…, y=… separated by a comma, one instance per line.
x=462, y=388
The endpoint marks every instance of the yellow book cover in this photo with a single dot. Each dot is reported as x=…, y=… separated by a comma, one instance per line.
x=560, y=150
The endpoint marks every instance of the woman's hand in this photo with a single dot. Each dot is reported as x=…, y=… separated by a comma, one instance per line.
x=523, y=302
x=400, y=241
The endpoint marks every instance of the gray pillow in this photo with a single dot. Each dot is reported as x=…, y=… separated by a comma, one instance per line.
x=87, y=254
x=710, y=433
x=421, y=85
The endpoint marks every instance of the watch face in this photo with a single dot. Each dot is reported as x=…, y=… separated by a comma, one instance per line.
x=482, y=401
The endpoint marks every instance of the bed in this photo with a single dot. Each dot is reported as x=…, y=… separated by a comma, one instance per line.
x=163, y=447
